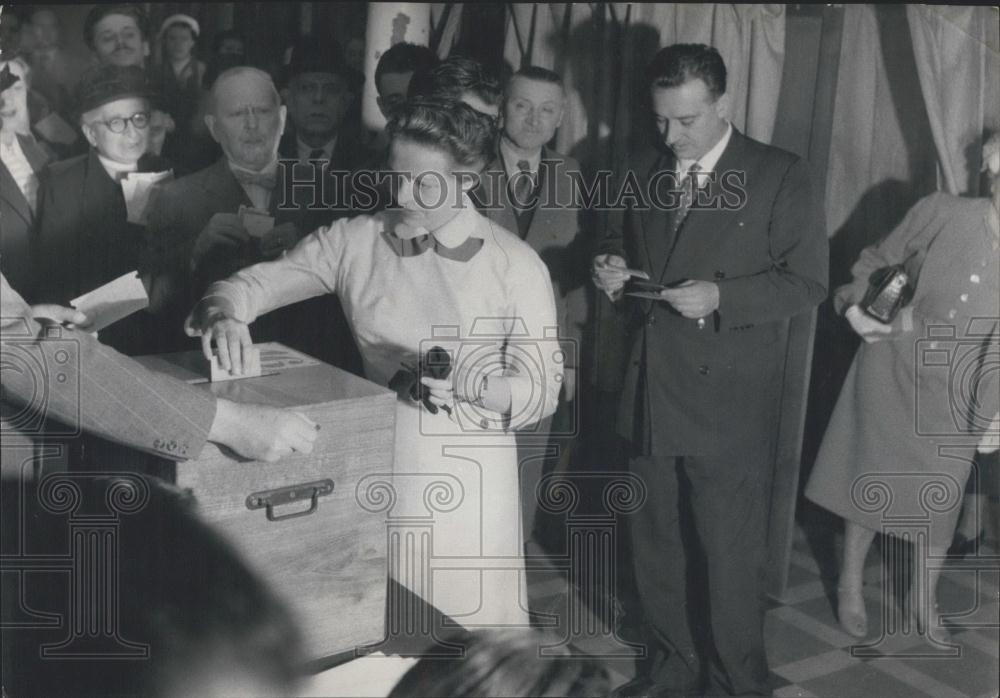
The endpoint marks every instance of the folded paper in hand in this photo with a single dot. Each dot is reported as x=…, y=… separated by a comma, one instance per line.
x=257, y=223
x=137, y=187
x=112, y=301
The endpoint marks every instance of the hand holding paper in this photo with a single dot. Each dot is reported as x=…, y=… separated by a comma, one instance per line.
x=113, y=301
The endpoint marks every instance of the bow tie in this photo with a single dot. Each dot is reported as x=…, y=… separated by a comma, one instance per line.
x=265, y=180
x=415, y=246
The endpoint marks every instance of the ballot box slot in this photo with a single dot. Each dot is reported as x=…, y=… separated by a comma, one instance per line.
x=269, y=500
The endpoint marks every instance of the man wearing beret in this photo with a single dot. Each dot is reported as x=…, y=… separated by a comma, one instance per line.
x=85, y=238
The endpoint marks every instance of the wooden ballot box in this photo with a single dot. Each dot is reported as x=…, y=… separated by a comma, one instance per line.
x=303, y=523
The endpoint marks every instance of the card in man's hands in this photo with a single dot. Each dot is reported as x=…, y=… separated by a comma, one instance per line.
x=256, y=222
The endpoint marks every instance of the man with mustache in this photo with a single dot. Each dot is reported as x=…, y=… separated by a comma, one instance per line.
x=118, y=34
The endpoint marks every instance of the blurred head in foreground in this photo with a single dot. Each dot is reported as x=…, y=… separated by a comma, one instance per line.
x=506, y=663
x=162, y=584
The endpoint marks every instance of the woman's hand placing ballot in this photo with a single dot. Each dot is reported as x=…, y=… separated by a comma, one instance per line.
x=231, y=337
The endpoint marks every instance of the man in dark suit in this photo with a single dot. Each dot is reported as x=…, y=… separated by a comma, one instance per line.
x=86, y=237
x=733, y=231
x=319, y=94
x=528, y=189
x=196, y=235
x=21, y=161
x=322, y=152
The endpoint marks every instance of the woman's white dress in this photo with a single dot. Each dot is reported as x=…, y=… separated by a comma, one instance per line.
x=457, y=508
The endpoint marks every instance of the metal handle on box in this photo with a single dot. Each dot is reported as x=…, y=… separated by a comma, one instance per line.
x=269, y=499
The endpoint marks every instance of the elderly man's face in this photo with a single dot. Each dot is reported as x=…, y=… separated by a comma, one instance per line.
x=118, y=40
x=532, y=112
x=99, y=126
x=317, y=103
x=247, y=120
x=14, y=100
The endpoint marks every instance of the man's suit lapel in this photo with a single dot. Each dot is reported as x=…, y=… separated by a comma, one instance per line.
x=550, y=184
x=98, y=190
x=9, y=190
x=35, y=154
x=223, y=190
x=702, y=228
x=654, y=220
x=12, y=194
x=500, y=211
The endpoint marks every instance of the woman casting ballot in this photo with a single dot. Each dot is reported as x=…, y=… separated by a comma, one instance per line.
x=431, y=272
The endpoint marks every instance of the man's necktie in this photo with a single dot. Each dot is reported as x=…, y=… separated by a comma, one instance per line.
x=416, y=246
x=688, y=186
x=522, y=187
x=317, y=154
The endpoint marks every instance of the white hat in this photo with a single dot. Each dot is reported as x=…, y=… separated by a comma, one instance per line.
x=180, y=19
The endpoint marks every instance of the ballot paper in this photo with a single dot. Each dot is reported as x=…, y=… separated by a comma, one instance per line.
x=113, y=301
x=251, y=364
x=256, y=222
x=137, y=187
x=54, y=129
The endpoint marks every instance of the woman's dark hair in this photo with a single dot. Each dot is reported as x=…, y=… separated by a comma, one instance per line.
x=506, y=663
x=677, y=64
x=467, y=135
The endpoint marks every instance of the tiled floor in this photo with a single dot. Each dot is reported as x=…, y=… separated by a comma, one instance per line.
x=810, y=655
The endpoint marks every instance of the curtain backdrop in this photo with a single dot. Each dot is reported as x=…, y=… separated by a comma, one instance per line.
x=602, y=48
x=957, y=52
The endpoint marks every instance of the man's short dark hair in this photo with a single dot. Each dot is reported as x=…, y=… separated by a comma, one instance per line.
x=404, y=58
x=536, y=72
x=455, y=77
x=100, y=11
x=180, y=590
x=677, y=64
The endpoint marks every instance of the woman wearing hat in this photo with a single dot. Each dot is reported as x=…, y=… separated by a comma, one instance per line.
x=431, y=272
x=180, y=78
